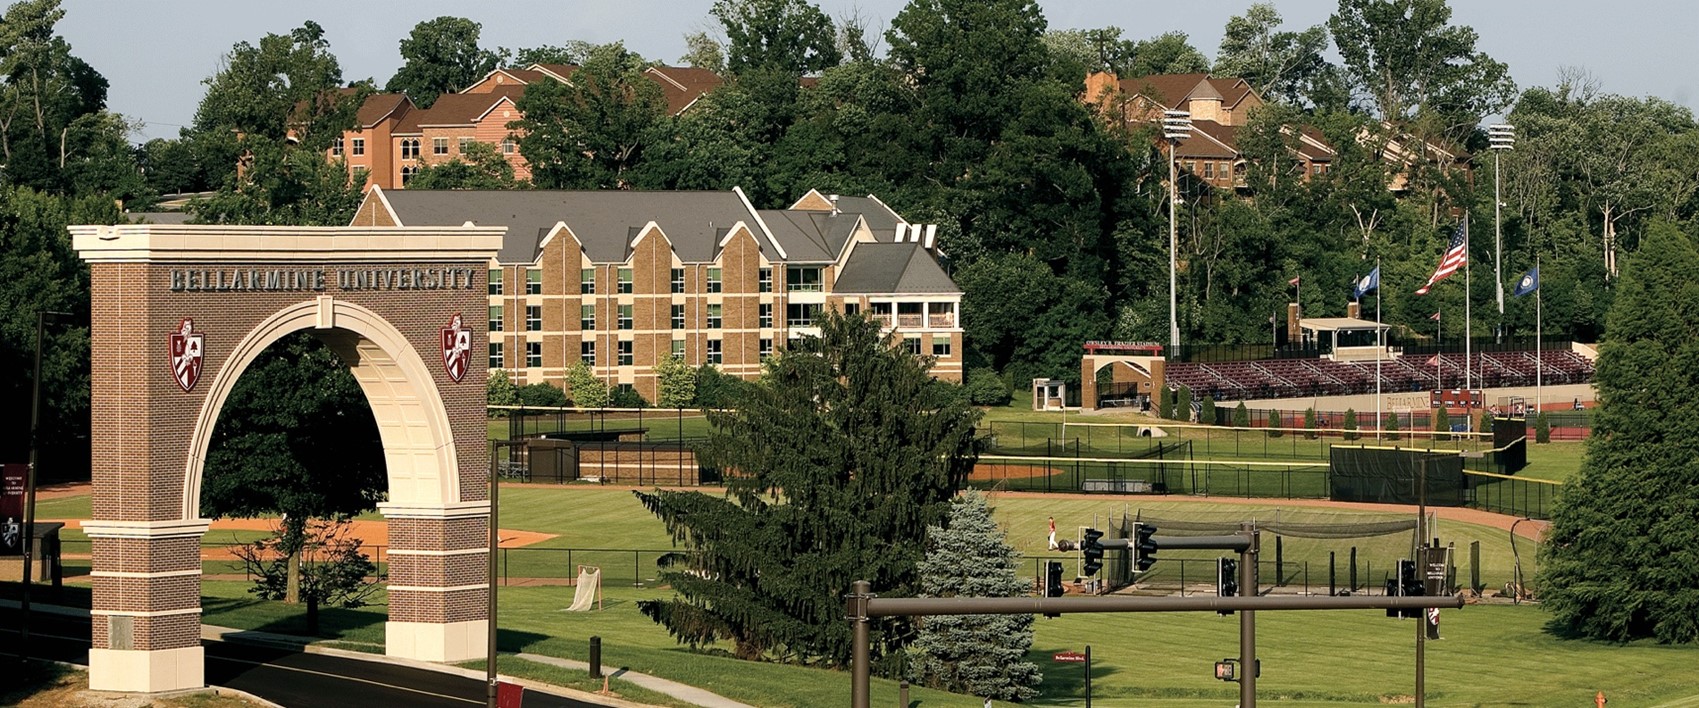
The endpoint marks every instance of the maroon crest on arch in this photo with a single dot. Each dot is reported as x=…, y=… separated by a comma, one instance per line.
x=186, y=347
x=456, y=348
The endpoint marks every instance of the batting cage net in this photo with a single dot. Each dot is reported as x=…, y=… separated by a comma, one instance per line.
x=1386, y=475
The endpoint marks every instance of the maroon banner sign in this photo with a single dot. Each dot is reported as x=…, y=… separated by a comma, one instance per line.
x=12, y=509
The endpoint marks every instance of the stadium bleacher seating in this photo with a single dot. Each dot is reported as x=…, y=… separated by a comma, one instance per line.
x=1295, y=378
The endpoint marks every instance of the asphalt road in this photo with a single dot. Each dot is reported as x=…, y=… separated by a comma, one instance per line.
x=288, y=678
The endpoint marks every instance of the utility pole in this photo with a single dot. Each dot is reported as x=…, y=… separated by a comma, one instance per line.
x=1247, y=619
x=1176, y=126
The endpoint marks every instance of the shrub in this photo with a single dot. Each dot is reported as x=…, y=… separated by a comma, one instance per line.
x=1206, y=411
x=1390, y=426
x=985, y=388
x=544, y=395
x=625, y=397
x=1542, y=428
x=500, y=391
x=1274, y=424
x=1241, y=416
x=1309, y=423
x=587, y=390
x=1442, y=423
x=1165, y=403
x=675, y=382
x=1350, y=424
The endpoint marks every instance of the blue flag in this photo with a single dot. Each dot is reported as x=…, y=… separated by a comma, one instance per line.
x=1366, y=283
x=1529, y=282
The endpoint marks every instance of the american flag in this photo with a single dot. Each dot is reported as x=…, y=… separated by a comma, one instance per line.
x=1456, y=256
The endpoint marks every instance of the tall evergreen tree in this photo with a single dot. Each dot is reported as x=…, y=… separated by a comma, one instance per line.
x=835, y=464
x=1621, y=560
x=980, y=655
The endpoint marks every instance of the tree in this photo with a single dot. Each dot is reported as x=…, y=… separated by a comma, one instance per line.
x=1032, y=336
x=500, y=391
x=330, y=569
x=1282, y=66
x=675, y=383
x=1167, y=53
x=479, y=166
x=1206, y=413
x=703, y=52
x=1183, y=404
x=1441, y=424
x=980, y=655
x=1618, y=560
x=289, y=83
x=789, y=37
x=1350, y=424
x=1413, y=64
x=441, y=56
x=541, y=395
x=715, y=388
x=1241, y=416
x=295, y=438
x=591, y=133
x=1165, y=403
x=1275, y=423
x=586, y=390
x=1309, y=423
x=837, y=461
x=1390, y=425
x=1542, y=428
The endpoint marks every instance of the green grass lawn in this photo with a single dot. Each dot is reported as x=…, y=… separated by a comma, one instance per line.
x=1557, y=461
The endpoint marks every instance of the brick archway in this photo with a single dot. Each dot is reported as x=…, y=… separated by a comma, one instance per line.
x=179, y=312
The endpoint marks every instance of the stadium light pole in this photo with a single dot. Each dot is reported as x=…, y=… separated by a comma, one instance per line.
x=1176, y=126
x=1501, y=137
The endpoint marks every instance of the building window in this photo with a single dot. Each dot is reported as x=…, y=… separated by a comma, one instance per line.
x=678, y=280
x=407, y=174
x=587, y=281
x=410, y=149
x=533, y=318
x=912, y=345
x=801, y=314
x=495, y=281
x=626, y=358
x=439, y=146
x=587, y=352
x=336, y=147
x=358, y=147
x=533, y=354
x=851, y=308
x=495, y=355
x=678, y=349
x=714, y=316
x=714, y=354
x=625, y=316
x=713, y=280
x=507, y=146
x=465, y=143
x=360, y=173
x=678, y=317
x=766, y=347
x=766, y=280
x=766, y=314
x=587, y=317
x=1209, y=170
x=625, y=281
x=941, y=346
x=534, y=281
x=802, y=279
x=495, y=318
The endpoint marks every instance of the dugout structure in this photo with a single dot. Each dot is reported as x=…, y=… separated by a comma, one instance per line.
x=1389, y=475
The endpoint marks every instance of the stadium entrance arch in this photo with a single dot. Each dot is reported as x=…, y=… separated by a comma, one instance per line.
x=1135, y=370
x=179, y=312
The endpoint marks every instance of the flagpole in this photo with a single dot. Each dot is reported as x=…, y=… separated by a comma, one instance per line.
x=1539, y=354
x=1380, y=345
x=1468, y=331
x=1439, y=343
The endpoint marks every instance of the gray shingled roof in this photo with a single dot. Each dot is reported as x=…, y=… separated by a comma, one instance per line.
x=604, y=221
x=879, y=217
x=810, y=236
x=892, y=268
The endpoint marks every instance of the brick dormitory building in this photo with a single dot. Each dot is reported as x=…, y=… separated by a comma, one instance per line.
x=621, y=280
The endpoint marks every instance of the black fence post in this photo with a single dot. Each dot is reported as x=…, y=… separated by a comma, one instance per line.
x=1279, y=562
x=1353, y=569
x=1332, y=576
x=595, y=656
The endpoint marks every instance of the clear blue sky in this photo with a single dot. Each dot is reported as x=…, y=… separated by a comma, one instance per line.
x=156, y=52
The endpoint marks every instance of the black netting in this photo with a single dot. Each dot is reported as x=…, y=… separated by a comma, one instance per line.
x=1389, y=476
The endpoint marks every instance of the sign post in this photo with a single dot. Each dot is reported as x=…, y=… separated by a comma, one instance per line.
x=1074, y=657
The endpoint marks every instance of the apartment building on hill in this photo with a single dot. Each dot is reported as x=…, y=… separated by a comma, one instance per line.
x=392, y=138
x=621, y=280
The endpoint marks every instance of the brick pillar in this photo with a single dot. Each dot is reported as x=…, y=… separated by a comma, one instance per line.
x=147, y=606
x=438, y=582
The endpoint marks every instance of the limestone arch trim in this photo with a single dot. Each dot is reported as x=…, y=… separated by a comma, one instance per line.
x=1099, y=362
x=419, y=453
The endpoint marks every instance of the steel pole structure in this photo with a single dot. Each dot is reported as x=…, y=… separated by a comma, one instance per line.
x=861, y=606
x=41, y=317
x=1498, y=247
x=1173, y=246
x=1421, y=536
x=1247, y=619
x=495, y=543
x=860, y=613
